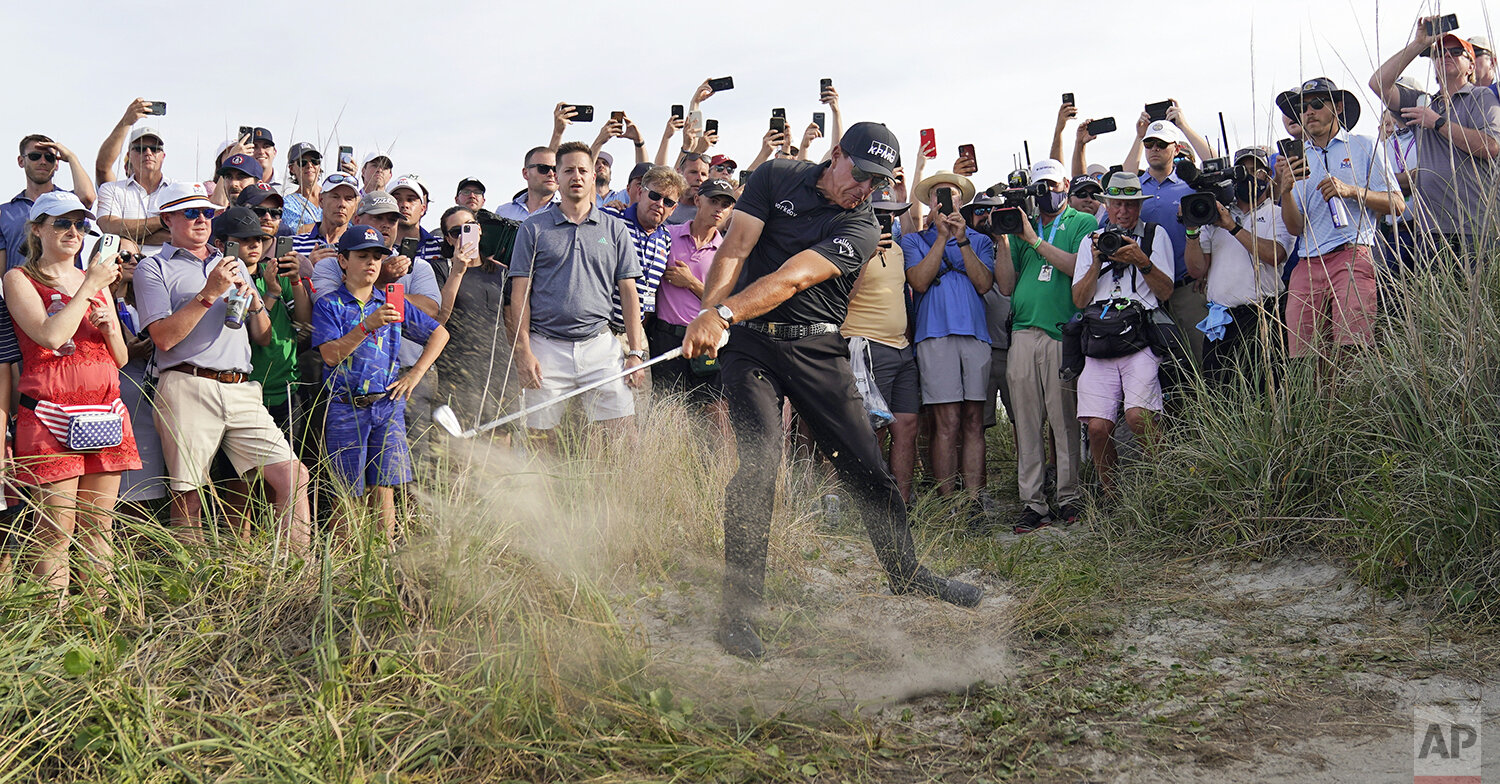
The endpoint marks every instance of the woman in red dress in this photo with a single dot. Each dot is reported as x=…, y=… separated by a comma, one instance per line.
x=71, y=357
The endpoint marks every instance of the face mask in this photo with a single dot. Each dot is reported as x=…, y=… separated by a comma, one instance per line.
x=1052, y=202
x=1242, y=190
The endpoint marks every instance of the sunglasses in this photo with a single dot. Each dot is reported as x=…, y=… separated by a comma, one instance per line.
x=542, y=168
x=63, y=224
x=1455, y=51
x=654, y=196
x=1129, y=190
x=980, y=212
x=1155, y=144
x=267, y=212
x=339, y=179
x=126, y=257
x=861, y=176
x=453, y=232
x=1314, y=103
x=310, y=160
x=194, y=213
x=723, y=168
x=36, y=156
x=694, y=157
x=145, y=148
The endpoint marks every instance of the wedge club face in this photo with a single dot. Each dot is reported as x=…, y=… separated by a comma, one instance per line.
x=443, y=415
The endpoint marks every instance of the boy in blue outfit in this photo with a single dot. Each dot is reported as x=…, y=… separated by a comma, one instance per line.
x=358, y=334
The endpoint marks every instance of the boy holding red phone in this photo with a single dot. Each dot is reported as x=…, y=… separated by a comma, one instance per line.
x=358, y=333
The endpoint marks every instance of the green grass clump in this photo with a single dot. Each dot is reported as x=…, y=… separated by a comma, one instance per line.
x=1391, y=458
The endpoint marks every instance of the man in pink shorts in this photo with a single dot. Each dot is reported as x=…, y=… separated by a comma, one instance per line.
x=1136, y=275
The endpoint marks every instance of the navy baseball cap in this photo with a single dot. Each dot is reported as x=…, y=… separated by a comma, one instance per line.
x=257, y=193
x=872, y=147
x=237, y=223
x=262, y=135
x=360, y=237
x=243, y=164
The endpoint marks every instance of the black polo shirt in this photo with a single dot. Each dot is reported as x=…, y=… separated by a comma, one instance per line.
x=784, y=194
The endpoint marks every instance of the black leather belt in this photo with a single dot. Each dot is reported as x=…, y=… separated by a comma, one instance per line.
x=362, y=401
x=1339, y=249
x=778, y=331
x=675, y=330
x=221, y=376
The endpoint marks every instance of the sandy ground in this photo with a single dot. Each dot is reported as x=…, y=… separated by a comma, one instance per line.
x=1332, y=671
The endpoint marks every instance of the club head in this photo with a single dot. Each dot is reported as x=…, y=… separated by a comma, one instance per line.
x=443, y=415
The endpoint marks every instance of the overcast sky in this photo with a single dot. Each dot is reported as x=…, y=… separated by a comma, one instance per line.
x=463, y=89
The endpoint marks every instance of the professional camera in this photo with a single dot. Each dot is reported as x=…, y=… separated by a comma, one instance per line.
x=1212, y=185
x=1108, y=242
x=1018, y=205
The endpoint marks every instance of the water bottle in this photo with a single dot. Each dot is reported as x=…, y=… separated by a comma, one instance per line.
x=52, y=309
x=1339, y=211
x=235, y=305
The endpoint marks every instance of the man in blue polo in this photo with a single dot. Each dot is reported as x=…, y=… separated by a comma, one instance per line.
x=205, y=398
x=540, y=173
x=39, y=159
x=1165, y=190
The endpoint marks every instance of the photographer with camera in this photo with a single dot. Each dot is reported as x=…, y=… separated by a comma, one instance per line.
x=1122, y=274
x=1039, y=283
x=951, y=266
x=1458, y=139
x=1239, y=256
x=1332, y=197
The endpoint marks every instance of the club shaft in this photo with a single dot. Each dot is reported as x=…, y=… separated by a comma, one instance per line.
x=673, y=354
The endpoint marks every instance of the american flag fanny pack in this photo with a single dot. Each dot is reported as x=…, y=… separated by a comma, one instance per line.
x=82, y=427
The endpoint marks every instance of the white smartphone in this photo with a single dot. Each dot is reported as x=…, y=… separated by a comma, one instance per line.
x=695, y=119
x=469, y=239
x=109, y=245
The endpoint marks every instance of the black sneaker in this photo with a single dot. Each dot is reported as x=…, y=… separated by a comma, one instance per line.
x=739, y=638
x=1068, y=514
x=1030, y=521
x=955, y=592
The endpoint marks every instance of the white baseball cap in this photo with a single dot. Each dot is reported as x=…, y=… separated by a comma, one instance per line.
x=1165, y=131
x=334, y=180
x=1048, y=169
x=180, y=196
x=57, y=202
x=410, y=182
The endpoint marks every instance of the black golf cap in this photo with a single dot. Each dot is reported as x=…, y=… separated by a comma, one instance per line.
x=872, y=147
x=237, y=223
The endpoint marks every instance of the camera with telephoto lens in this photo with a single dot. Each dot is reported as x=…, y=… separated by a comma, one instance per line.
x=1107, y=243
x=1212, y=185
x=1018, y=206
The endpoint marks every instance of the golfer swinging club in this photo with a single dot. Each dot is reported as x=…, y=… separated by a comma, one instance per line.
x=799, y=235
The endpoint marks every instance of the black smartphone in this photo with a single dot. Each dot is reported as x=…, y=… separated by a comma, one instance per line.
x=886, y=220
x=677, y=111
x=409, y=247
x=1289, y=148
x=232, y=249
x=778, y=123
x=157, y=108
x=744, y=177
x=710, y=126
x=1158, y=110
x=721, y=84
x=945, y=201
x=779, y=113
x=246, y=131
x=1101, y=126
x=618, y=116
x=1444, y=24
x=819, y=119
x=585, y=113
x=1067, y=99
x=824, y=85
x=283, y=246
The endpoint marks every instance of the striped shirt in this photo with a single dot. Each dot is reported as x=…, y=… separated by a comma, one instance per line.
x=651, y=247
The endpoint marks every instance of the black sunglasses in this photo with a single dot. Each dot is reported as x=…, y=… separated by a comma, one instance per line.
x=1314, y=103
x=654, y=196
x=310, y=160
x=1155, y=144
x=267, y=212
x=453, y=232
x=63, y=224
x=542, y=168
x=36, y=156
x=126, y=257
x=146, y=148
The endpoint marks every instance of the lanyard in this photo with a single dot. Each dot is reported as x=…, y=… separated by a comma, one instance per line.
x=1399, y=153
x=1056, y=224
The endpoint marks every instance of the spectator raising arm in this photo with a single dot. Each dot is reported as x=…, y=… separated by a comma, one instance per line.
x=674, y=124
x=1065, y=113
x=562, y=117
x=114, y=144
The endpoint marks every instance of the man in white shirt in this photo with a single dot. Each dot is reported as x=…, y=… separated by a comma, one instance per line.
x=124, y=205
x=1139, y=274
x=1240, y=257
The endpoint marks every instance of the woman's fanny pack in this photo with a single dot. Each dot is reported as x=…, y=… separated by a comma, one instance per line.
x=83, y=427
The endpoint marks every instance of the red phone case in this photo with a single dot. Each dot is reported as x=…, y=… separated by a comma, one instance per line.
x=929, y=143
x=395, y=295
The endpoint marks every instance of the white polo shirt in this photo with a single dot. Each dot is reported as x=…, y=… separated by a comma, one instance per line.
x=1130, y=283
x=1234, y=277
x=129, y=200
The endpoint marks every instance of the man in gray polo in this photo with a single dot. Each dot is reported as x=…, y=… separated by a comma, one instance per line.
x=205, y=397
x=568, y=263
x=1458, y=140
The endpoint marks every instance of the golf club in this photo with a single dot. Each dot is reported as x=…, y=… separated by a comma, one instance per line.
x=443, y=415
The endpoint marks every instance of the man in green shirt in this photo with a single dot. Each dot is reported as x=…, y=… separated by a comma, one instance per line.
x=1039, y=280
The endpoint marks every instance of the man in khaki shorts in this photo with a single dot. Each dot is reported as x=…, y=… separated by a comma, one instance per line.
x=205, y=398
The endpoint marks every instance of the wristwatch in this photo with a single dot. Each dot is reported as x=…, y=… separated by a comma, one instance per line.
x=1438, y=126
x=724, y=313
x=638, y=354
x=964, y=244
x=1236, y=230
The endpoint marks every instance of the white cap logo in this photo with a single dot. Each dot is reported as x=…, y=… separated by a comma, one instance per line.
x=883, y=151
